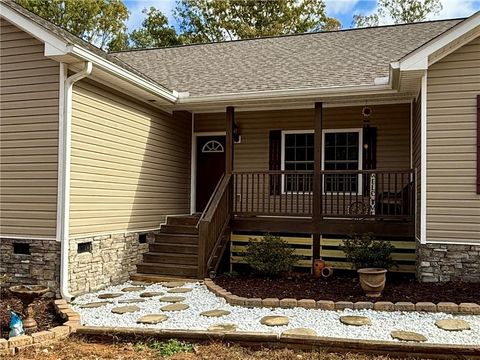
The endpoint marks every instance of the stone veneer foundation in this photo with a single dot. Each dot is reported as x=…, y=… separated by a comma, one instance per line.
x=448, y=262
x=41, y=266
x=111, y=260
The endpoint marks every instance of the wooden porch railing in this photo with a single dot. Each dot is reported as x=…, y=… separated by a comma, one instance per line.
x=354, y=194
x=212, y=226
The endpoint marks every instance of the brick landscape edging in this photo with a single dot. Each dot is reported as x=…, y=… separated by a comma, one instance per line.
x=273, y=340
x=445, y=307
x=47, y=337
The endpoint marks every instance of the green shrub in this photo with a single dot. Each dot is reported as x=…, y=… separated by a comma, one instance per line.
x=270, y=256
x=366, y=252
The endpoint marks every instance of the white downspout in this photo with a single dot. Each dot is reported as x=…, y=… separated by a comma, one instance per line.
x=65, y=152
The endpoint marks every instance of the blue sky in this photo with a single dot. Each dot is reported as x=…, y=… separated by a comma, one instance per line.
x=341, y=9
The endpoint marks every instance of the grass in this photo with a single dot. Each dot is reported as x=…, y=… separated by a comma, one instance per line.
x=77, y=348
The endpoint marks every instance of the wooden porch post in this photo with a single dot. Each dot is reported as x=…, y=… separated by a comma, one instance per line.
x=230, y=113
x=317, y=181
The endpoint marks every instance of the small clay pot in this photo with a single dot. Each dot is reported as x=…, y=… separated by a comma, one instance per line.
x=318, y=266
x=372, y=280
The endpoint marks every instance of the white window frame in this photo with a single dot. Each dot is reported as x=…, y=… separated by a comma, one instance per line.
x=282, y=159
x=360, y=157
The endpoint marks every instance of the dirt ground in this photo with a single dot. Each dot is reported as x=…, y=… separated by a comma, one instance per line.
x=344, y=286
x=75, y=349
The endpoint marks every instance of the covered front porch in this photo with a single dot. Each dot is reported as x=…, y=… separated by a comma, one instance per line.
x=324, y=171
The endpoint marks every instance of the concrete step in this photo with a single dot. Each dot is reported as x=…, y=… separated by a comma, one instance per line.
x=153, y=278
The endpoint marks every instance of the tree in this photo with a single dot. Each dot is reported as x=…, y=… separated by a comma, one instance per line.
x=99, y=22
x=219, y=20
x=400, y=11
x=155, y=31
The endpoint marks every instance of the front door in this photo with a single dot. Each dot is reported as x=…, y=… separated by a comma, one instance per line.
x=210, y=167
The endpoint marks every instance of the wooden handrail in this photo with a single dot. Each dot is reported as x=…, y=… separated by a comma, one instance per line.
x=213, y=223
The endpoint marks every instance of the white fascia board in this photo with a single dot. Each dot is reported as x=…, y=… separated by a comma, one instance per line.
x=289, y=93
x=418, y=59
x=113, y=68
x=55, y=44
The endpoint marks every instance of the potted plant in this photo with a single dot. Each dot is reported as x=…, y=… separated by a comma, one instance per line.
x=372, y=259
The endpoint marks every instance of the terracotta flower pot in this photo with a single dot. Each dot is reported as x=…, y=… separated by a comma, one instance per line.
x=318, y=266
x=372, y=280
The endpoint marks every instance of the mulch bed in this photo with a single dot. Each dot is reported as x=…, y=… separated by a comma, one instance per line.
x=344, y=286
x=45, y=313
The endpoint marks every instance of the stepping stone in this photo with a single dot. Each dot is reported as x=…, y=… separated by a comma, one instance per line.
x=175, y=307
x=125, y=309
x=215, y=313
x=173, y=284
x=94, y=305
x=152, y=319
x=452, y=324
x=179, y=290
x=109, y=295
x=140, y=283
x=133, y=288
x=355, y=320
x=171, y=299
x=274, y=320
x=222, y=327
x=148, y=294
x=130, y=301
x=300, y=332
x=407, y=336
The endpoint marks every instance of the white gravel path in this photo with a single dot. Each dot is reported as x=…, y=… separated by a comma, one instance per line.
x=325, y=323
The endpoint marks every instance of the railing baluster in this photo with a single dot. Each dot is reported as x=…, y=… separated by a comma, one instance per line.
x=388, y=195
x=258, y=193
x=241, y=193
x=274, y=179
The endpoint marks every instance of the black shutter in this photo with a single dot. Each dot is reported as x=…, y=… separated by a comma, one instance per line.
x=275, y=159
x=369, y=148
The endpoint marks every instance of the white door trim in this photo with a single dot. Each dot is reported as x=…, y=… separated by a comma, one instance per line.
x=193, y=160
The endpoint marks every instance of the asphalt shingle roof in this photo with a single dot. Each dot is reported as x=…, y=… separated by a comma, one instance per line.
x=316, y=60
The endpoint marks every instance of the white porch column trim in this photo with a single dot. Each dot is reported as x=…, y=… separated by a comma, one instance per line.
x=423, y=163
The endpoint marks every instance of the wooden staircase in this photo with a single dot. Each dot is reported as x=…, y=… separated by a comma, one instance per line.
x=175, y=250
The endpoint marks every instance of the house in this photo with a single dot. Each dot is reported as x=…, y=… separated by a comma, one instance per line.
x=157, y=160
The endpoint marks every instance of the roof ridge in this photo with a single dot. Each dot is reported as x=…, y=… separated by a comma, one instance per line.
x=289, y=35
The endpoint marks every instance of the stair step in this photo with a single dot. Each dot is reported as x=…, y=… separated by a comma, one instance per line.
x=154, y=278
x=167, y=269
x=183, y=219
x=163, y=238
x=170, y=258
x=173, y=248
x=179, y=229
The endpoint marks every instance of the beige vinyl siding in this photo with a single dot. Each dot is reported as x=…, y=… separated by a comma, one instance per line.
x=417, y=159
x=453, y=207
x=130, y=162
x=29, y=96
x=392, y=121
